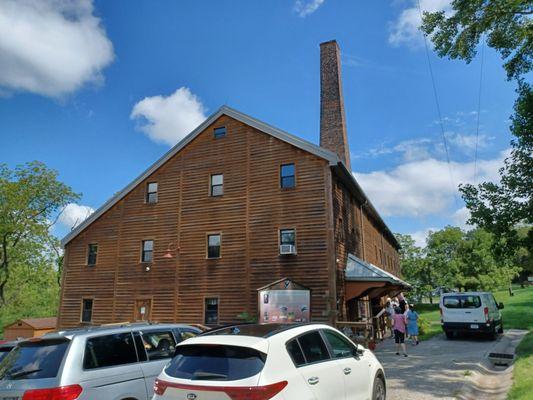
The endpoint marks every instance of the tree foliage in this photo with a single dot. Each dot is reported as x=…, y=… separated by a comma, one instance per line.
x=453, y=259
x=31, y=198
x=508, y=28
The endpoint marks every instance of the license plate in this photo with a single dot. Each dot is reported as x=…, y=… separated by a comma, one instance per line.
x=474, y=326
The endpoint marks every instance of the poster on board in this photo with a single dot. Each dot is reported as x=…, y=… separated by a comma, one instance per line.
x=284, y=306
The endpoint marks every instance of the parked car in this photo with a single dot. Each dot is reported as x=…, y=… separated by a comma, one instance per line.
x=470, y=312
x=5, y=348
x=104, y=363
x=271, y=361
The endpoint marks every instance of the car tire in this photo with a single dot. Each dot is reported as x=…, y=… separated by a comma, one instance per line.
x=449, y=334
x=500, y=329
x=379, y=391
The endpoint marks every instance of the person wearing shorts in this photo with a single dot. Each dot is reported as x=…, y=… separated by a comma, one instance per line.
x=399, y=324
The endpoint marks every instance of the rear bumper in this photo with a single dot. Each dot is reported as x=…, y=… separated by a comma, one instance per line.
x=482, y=327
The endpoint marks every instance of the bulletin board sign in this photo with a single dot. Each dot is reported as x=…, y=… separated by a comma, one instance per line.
x=284, y=306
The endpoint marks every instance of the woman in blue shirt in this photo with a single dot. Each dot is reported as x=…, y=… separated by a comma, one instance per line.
x=412, y=323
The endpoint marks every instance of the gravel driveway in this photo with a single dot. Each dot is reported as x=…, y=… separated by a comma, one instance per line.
x=435, y=369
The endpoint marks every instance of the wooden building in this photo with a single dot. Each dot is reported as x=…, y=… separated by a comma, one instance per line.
x=235, y=208
x=29, y=328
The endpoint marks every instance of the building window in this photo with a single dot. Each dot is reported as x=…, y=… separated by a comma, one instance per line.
x=87, y=310
x=287, y=176
x=217, y=185
x=287, y=236
x=92, y=253
x=211, y=311
x=220, y=132
x=147, y=254
x=213, y=246
x=151, y=193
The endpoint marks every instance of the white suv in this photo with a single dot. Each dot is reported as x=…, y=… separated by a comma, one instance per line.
x=271, y=361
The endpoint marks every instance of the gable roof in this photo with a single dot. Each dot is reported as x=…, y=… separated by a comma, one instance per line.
x=224, y=110
x=37, y=323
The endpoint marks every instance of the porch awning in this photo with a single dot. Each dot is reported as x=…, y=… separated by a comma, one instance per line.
x=365, y=279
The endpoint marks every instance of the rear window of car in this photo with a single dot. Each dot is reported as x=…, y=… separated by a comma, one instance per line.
x=109, y=351
x=215, y=362
x=462, y=301
x=34, y=360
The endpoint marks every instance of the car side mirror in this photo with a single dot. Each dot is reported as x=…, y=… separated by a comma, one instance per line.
x=500, y=306
x=357, y=351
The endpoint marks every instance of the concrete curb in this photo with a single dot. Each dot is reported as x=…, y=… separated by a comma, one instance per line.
x=488, y=381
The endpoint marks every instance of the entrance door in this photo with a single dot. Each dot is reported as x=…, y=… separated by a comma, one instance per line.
x=143, y=308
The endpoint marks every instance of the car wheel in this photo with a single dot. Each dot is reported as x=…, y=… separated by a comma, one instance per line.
x=379, y=392
x=500, y=330
x=449, y=334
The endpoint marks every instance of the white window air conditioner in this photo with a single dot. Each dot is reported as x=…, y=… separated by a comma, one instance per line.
x=286, y=249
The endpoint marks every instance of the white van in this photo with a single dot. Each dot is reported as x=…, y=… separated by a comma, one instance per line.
x=475, y=312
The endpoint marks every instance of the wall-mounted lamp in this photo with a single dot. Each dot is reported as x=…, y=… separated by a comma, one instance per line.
x=171, y=248
x=147, y=268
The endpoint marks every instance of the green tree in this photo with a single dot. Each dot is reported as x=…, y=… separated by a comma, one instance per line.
x=31, y=199
x=508, y=28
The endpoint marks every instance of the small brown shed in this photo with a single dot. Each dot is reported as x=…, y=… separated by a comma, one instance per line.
x=29, y=327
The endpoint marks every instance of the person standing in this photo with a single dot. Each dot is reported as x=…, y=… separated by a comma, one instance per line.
x=399, y=323
x=388, y=310
x=412, y=323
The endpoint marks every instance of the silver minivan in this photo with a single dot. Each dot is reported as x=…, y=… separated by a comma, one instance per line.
x=100, y=363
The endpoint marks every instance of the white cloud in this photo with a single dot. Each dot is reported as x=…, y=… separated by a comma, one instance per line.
x=74, y=214
x=51, y=47
x=169, y=119
x=306, y=7
x=405, y=30
x=420, y=237
x=460, y=218
x=424, y=187
x=467, y=143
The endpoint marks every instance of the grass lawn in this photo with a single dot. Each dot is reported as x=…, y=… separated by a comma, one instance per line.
x=523, y=378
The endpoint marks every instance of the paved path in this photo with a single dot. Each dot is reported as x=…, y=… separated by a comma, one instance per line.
x=435, y=369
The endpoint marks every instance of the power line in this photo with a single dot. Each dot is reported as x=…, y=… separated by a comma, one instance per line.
x=479, y=105
x=452, y=180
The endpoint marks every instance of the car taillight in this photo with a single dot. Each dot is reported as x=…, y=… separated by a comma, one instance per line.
x=71, y=392
x=486, y=311
x=255, y=392
x=265, y=392
x=160, y=387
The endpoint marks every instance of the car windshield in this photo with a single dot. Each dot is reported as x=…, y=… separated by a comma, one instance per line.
x=34, y=360
x=215, y=362
x=4, y=351
x=462, y=301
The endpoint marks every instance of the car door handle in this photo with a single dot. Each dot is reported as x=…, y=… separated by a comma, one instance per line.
x=313, y=380
x=347, y=371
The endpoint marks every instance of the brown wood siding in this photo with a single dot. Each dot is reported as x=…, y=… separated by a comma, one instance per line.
x=248, y=216
x=357, y=233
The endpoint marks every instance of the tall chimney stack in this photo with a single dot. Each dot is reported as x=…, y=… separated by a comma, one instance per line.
x=332, y=120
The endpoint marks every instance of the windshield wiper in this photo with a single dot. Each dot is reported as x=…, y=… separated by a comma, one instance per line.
x=22, y=373
x=199, y=375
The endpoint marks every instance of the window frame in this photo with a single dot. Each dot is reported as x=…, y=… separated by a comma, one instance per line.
x=330, y=347
x=89, y=254
x=148, y=193
x=82, y=308
x=217, y=135
x=280, y=236
x=281, y=176
x=212, y=186
x=205, y=309
x=156, y=331
x=110, y=366
x=207, y=236
x=297, y=338
x=143, y=252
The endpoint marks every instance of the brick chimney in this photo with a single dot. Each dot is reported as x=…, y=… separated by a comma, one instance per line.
x=332, y=120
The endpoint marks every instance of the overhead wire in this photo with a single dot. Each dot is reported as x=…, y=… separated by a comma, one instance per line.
x=439, y=113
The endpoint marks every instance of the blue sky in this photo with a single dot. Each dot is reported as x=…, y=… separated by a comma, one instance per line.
x=98, y=91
